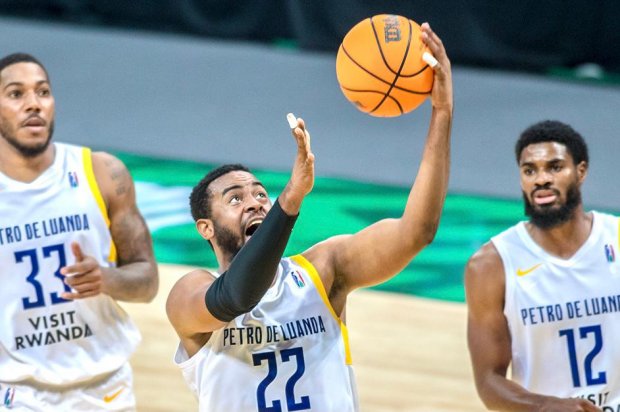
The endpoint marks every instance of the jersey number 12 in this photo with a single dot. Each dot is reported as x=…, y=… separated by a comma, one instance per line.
x=584, y=331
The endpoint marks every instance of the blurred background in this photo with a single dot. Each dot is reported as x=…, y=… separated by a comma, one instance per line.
x=176, y=87
x=544, y=36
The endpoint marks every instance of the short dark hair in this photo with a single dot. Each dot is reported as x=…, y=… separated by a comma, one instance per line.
x=15, y=58
x=554, y=131
x=200, y=198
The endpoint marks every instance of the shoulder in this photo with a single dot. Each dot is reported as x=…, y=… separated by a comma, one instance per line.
x=484, y=259
x=192, y=281
x=606, y=217
x=323, y=255
x=484, y=274
x=113, y=178
x=104, y=163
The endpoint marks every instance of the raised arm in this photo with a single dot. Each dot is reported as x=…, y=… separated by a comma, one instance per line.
x=135, y=278
x=199, y=304
x=383, y=249
x=489, y=342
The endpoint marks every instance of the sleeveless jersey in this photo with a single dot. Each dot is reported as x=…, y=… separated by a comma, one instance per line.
x=43, y=337
x=564, y=314
x=290, y=353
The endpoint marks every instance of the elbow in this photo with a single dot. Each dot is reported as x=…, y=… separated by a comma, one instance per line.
x=150, y=294
x=429, y=233
x=489, y=403
x=489, y=397
x=151, y=289
x=425, y=235
x=492, y=404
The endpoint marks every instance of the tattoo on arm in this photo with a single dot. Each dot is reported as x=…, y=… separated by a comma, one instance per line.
x=131, y=237
x=119, y=176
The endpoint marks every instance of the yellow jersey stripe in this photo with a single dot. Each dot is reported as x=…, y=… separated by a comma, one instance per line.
x=94, y=188
x=304, y=263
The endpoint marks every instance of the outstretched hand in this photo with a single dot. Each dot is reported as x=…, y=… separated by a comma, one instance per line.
x=441, y=95
x=302, y=175
x=84, y=277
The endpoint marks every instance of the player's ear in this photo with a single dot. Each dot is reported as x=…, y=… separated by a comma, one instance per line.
x=205, y=228
x=582, y=170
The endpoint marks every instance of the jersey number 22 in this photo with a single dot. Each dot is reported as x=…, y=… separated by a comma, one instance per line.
x=276, y=405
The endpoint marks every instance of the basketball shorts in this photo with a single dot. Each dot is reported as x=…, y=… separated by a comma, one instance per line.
x=113, y=392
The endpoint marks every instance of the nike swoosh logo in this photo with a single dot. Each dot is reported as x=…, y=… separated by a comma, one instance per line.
x=110, y=398
x=526, y=271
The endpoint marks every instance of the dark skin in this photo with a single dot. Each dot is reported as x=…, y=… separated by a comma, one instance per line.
x=541, y=165
x=27, y=110
x=344, y=262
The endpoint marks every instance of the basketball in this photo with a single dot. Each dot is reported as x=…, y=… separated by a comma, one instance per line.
x=380, y=67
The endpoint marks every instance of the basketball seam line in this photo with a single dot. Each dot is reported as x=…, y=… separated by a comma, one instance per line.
x=374, y=31
x=402, y=64
x=373, y=91
x=377, y=77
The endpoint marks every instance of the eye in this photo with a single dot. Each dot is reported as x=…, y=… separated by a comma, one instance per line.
x=45, y=92
x=14, y=94
x=261, y=195
x=528, y=171
x=234, y=199
x=556, y=168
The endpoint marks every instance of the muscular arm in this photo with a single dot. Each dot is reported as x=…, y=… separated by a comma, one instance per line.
x=383, y=249
x=135, y=279
x=198, y=304
x=489, y=342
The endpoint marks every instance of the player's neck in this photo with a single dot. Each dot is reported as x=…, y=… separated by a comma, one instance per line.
x=24, y=169
x=565, y=239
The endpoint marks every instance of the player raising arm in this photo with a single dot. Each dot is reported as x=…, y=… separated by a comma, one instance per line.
x=266, y=332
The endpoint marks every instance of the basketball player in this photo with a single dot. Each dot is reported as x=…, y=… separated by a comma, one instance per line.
x=544, y=295
x=72, y=242
x=266, y=333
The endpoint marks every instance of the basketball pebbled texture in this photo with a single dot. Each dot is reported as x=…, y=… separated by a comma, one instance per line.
x=380, y=68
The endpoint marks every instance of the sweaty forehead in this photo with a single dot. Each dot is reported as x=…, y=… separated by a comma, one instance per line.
x=544, y=152
x=231, y=180
x=24, y=72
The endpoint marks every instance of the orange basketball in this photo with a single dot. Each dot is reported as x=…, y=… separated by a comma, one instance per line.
x=380, y=68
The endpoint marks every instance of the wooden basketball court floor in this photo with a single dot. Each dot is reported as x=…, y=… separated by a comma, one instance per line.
x=409, y=354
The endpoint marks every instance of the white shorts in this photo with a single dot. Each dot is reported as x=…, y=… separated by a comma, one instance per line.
x=111, y=393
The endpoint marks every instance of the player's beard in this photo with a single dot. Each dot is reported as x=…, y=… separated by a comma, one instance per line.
x=547, y=217
x=229, y=242
x=26, y=150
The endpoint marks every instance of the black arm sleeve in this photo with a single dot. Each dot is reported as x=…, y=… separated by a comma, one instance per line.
x=252, y=270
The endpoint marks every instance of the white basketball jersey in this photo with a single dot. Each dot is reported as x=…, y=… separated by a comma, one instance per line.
x=44, y=337
x=290, y=353
x=564, y=314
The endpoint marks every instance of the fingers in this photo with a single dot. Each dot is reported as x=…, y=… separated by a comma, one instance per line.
x=441, y=95
x=302, y=136
x=83, y=285
x=590, y=407
x=79, y=295
x=79, y=266
x=77, y=251
x=434, y=43
x=84, y=276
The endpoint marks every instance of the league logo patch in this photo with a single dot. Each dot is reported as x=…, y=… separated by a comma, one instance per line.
x=609, y=253
x=73, y=179
x=299, y=280
x=8, y=397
